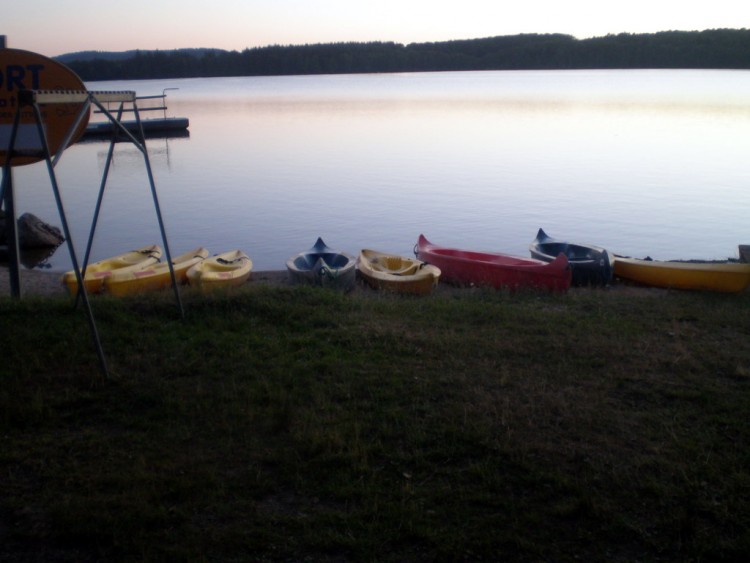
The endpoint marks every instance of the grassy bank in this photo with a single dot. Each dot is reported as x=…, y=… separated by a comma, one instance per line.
x=298, y=424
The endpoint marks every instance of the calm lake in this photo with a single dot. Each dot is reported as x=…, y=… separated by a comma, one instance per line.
x=648, y=162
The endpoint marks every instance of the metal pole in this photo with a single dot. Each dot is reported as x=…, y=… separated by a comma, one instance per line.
x=141, y=146
x=11, y=227
x=66, y=142
x=158, y=213
x=119, y=126
x=11, y=233
x=100, y=197
x=164, y=98
x=79, y=277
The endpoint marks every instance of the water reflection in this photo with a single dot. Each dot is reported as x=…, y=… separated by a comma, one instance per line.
x=642, y=162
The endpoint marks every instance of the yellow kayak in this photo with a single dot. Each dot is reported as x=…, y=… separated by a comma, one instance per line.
x=155, y=276
x=97, y=272
x=396, y=273
x=726, y=277
x=223, y=270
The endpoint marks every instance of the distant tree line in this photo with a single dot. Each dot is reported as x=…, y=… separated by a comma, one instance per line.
x=720, y=48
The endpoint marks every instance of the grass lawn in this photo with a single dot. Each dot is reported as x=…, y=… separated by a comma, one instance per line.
x=288, y=424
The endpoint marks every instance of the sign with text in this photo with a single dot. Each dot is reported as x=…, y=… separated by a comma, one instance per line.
x=24, y=70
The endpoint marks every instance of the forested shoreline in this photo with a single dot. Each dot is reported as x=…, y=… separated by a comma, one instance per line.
x=720, y=49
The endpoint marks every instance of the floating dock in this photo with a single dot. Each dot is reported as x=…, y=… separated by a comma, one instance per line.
x=151, y=127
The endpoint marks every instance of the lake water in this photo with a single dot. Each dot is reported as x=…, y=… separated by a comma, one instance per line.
x=648, y=162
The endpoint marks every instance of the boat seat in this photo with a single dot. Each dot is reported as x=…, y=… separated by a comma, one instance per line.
x=309, y=262
x=394, y=265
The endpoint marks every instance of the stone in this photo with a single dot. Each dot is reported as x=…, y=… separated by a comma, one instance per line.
x=35, y=233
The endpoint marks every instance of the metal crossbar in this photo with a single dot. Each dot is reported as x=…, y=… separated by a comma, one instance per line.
x=76, y=96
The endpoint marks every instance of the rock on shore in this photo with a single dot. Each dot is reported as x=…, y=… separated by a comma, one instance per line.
x=34, y=233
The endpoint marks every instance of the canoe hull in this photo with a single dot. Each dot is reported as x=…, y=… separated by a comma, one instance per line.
x=98, y=272
x=724, y=277
x=397, y=274
x=155, y=277
x=324, y=267
x=229, y=269
x=590, y=265
x=495, y=270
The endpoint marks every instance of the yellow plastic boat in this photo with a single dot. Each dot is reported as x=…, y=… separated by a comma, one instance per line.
x=153, y=277
x=726, y=277
x=97, y=272
x=223, y=270
x=396, y=273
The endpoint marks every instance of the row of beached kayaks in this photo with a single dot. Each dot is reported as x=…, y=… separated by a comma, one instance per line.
x=554, y=265
x=140, y=271
x=323, y=266
x=593, y=265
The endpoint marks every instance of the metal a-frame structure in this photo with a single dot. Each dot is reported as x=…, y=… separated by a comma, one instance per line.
x=32, y=99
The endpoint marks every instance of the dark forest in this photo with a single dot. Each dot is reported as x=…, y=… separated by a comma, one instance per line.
x=720, y=49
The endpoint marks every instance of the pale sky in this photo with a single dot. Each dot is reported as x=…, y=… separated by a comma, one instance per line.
x=55, y=27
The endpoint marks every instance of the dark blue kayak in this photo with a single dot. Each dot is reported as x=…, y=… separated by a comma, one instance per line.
x=591, y=265
x=323, y=266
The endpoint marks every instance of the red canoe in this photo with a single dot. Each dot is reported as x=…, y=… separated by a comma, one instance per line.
x=496, y=270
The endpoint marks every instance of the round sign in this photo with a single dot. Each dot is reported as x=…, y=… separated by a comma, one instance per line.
x=23, y=70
